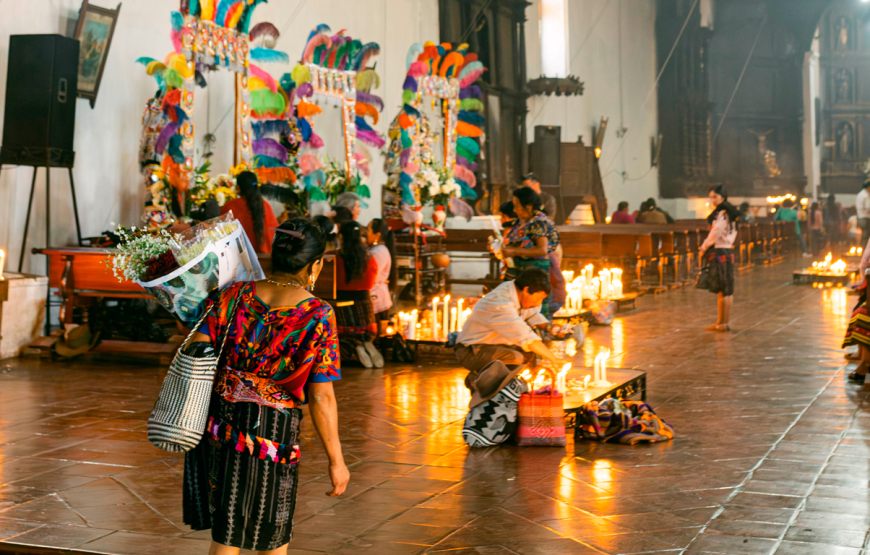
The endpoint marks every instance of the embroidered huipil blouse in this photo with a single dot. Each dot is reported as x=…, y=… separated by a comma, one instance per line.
x=271, y=355
x=524, y=235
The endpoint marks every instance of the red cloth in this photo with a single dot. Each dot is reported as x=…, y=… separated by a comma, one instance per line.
x=362, y=284
x=622, y=218
x=240, y=210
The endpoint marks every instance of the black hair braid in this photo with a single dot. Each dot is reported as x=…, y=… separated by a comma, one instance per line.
x=352, y=251
x=249, y=190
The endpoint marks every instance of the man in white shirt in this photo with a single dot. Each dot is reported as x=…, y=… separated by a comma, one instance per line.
x=500, y=331
x=862, y=205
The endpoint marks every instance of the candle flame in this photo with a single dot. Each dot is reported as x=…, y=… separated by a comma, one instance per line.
x=839, y=266
x=586, y=379
x=565, y=368
x=602, y=357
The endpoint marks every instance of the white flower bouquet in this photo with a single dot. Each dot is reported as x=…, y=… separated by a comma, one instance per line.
x=181, y=270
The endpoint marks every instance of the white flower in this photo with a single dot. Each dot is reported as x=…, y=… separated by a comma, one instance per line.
x=434, y=190
x=221, y=198
x=450, y=187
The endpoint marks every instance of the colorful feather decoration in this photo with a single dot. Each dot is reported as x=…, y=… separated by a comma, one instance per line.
x=245, y=24
x=287, y=83
x=305, y=90
x=193, y=8
x=361, y=59
x=471, y=105
x=468, y=69
x=407, y=196
x=261, y=54
x=264, y=161
x=300, y=74
x=461, y=161
x=461, y=208
x=464, y=174
x=173, y=79
x=184, y=7
x=406, y=139
x=307, y=109
x=304, y=129
x=316, y=178
x=411, y=111
x=234, y=15
x=362, y=125
x=418, y=69
x=411, y=168
x=264, y=29
x=415, y=50
x=162, y=141
x=174, y=149
x=278, y=193
x=404, y=157
x=362, y=109
x=451, y=64
x=410, y=84
x=199, y=78
x=467, y=192
x=471, y=91
x=471, y=78
x=265, y=103
x=408, y=97
x=371, y=99
x=263, y=76
x=469, y=145
x=314, y=42
x=208, y=7
x=272, y=127
x=315, y=141
x=405, y=122
x=471, y=118
x=272, y=149
x=464, y=129
x=367, y=80
x=223, y=7
x=371, y=138
x=177, y=20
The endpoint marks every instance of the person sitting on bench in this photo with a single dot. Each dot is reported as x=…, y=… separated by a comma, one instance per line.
x=500, y=331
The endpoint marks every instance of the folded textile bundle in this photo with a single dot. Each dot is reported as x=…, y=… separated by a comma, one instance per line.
x=626, y=422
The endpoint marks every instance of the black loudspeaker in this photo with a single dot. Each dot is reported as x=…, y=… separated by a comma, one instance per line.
x=41, y=83
x=545, y=156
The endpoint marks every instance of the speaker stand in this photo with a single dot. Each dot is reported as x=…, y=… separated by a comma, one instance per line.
x=47, y=211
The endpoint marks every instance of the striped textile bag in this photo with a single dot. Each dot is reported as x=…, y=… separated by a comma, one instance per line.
x=542, y=417
x=180, y=414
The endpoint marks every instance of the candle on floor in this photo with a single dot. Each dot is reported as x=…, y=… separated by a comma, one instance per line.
x=445, y=329
x=2, y=262
x=435, y=318
x=413, y=324
x=459, y=321
x=454, y=319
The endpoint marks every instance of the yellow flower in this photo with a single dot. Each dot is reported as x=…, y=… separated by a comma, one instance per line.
x=236, y=170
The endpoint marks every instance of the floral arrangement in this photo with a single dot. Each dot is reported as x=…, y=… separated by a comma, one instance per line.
x=437, y=186
x=337, y=182
x=141, y=255
x=221, y=189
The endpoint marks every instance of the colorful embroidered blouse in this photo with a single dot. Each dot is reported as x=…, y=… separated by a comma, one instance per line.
x=524, y=235
x=271, y=355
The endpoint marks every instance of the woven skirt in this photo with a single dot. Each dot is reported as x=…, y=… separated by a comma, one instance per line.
x=858, y=332
x=721, y=263
x=355, y=315
x=245, y=498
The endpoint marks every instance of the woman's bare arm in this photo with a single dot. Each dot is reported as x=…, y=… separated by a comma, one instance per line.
x=541, y=248
x=324, y=413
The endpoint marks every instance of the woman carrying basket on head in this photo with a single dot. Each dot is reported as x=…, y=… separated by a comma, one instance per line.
x=281, y=352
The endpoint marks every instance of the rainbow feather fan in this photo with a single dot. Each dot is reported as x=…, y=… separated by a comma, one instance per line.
x=264, y=77
x=367, y=80
x=415, y=50
x=314, y=42
x=361, y=59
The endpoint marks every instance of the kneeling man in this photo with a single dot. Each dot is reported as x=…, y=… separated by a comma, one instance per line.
x=499, y=337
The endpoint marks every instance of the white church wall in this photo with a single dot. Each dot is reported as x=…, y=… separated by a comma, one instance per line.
x=612, y=49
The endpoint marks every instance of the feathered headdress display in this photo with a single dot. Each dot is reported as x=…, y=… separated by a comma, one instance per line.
x=448, y=73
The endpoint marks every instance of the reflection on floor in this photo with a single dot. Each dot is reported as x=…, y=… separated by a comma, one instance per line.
x=770, y=456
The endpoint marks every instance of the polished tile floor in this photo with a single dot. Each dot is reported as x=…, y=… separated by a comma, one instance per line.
x=771, y=453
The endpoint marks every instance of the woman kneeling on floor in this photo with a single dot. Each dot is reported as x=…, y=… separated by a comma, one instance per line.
x=858, y=332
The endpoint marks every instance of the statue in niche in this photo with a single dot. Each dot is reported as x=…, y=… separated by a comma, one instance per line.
x=842, y=34
x=768, y=157
x=844, y=140
x=843, y=85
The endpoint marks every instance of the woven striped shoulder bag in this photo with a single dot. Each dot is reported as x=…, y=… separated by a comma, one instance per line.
x=179, y=418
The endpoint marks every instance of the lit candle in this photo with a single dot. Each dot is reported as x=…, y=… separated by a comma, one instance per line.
x=459, y=322
x=454, y=319
x=562, y=378
x=586, y=381
x=445, y=329
x=435, y=318
x=2, y=262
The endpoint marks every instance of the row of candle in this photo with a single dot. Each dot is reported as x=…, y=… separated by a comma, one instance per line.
x=826, y=266
x=607, y=286
x=441, y=321
x=537, y=379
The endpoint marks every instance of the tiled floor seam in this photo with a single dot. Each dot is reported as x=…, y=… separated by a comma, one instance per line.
x=739, y=488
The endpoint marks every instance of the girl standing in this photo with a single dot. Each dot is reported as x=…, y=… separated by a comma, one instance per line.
x=718, y=254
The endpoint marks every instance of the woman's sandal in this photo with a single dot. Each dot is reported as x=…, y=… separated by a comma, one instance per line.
x=718, y=327
x=856, y=377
